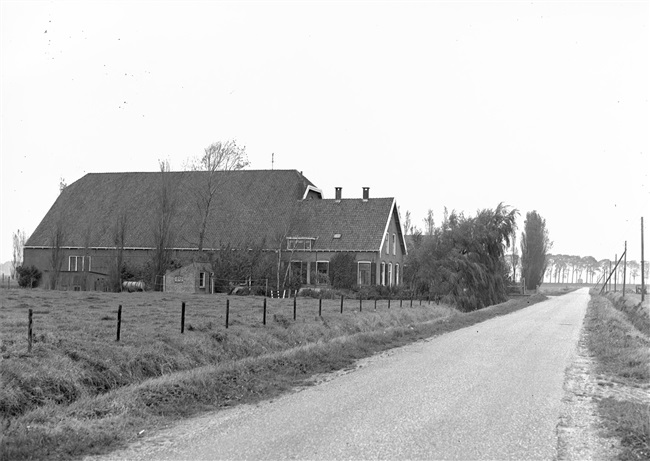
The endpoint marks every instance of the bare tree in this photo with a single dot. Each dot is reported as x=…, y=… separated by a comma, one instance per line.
x=429, y=223
x=163, y=231
x=218, y=156
x=407, y=223
x=57, y=240
x=19, y=245
x=119, y=240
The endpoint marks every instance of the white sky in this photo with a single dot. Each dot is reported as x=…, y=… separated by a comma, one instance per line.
x=543, y=106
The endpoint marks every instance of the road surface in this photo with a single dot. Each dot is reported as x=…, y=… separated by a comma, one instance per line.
x=491, y=391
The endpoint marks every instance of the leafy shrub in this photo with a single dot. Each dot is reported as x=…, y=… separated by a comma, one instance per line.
x=28, y=277
x=316, y=293
x=343, y=270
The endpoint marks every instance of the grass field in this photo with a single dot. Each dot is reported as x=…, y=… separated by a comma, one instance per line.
x=618, y=335
x=80, y=392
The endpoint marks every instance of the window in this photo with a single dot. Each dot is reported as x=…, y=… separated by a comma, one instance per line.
x=396, y=274
x=295, y=243
x=390, y=274
x=322, y=273
x=201, y=279
x=383, y=274
x=394, y=244
x=364, y=273
x=386, y=244
x=299, y=271
x=76, y=263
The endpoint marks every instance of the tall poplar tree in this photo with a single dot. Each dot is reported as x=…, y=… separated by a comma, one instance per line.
x=534, y=246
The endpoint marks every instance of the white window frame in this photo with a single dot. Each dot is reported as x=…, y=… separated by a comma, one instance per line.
x=369, y=263
x=202, y=279
x=387, y=243
x=382, y=278
x=396, y=274
x=76, y=263
x=390, y=274
x=394, y=245
x=299, y=243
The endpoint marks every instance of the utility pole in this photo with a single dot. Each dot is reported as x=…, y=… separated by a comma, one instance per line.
x=615, y=275
x=624, y=267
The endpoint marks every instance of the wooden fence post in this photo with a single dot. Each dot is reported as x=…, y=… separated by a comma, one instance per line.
x=375, y=303
x=119, y=322
x=389, y=302
x=264, y=315
x=227, y=311
x=183, y=317
x=320, y=305
x=360, y=303
x=30, y=335
x=341, y=304
x=295, y=296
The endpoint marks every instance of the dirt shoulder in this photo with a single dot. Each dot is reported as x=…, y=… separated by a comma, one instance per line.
x=607, y=391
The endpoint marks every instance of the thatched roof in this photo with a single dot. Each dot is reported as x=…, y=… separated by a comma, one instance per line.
x=249, y=207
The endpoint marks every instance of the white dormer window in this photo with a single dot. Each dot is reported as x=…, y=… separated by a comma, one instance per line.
x=299, y=243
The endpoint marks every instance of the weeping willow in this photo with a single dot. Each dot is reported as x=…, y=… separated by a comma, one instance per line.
x=463, y=260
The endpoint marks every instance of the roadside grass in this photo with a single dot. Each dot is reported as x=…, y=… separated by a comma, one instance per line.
x=618, y=334
x=80, y=392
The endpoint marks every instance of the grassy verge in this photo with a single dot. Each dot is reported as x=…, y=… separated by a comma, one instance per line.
x=79, y=392
x=618, y=334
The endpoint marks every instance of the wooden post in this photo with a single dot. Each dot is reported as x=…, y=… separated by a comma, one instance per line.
x=264, y=314
x=400, y=302
x=360, y=303
x=227, y=311
x=183, y=317
x=341, y=304
x=294, y=305
x=320, y=305
x=411, y=301
x=615, y=259
x=30, y=336
x=389, y=302
x=375, y=303
x=119, y=322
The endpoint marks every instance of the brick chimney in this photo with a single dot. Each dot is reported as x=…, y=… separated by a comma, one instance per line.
x=366, y=194
x=337, y=192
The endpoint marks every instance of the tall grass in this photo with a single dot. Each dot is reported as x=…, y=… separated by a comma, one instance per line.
x=81, y=392
x=618, y=334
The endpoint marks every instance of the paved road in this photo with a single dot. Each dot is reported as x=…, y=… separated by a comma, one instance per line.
x=491, y=391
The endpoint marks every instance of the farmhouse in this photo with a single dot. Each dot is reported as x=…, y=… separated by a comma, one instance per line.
x=105, y=222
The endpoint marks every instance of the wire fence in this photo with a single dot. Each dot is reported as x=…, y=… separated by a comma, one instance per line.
x=236, y=310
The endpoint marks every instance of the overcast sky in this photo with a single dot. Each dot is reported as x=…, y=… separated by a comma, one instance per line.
x=540, y=105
